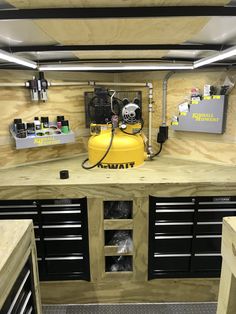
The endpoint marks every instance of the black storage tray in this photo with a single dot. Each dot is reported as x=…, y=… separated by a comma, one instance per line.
x=20, y=214
x=209, y=228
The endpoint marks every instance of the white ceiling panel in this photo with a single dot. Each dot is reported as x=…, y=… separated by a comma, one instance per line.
x=23, y=32
x=119, y=54
x=47, y=55
x=219, y=30
x=188, y=54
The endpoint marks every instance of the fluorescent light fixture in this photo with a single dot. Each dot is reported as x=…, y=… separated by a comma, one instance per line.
x=19, y=60
x=112, y=67
x=227, y=53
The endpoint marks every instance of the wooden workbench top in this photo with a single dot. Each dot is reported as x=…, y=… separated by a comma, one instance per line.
x=159, y=173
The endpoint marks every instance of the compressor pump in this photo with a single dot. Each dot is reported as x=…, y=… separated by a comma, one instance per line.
x=116, y=140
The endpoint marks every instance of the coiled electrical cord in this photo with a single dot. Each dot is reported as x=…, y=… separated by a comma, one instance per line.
x=104, y=156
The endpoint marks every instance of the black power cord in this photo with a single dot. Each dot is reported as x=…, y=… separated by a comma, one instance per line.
x=104, y=156
x=159, y=151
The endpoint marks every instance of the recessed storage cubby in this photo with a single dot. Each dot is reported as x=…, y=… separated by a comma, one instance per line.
x=118, y=241
x=118, y=209
x=118, y=263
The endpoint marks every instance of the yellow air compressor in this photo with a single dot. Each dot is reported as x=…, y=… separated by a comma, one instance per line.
x=119, y=143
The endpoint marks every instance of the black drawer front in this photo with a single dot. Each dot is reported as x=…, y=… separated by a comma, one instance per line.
x=65, y=265
x=178, y=228
x=21, y=295
x=20, y=214
x=164, y=215
x=62, y=230
x=207, y=262
x=61, y=215
x=172, y=244
x=63, y=246
x=172, y=263
x=207, y=244
x=209, y=228
x=39, y=247
x=213, y=214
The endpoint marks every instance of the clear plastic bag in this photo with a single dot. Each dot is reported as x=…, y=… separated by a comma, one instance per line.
x=121, y=263
x=122, y=239
x=117, y=210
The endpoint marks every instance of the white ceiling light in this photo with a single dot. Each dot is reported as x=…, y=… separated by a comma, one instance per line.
x=112, y=67
x=227, y=53
x=18, y=60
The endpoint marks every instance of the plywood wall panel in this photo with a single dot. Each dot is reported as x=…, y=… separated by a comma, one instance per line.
x=67, y=101
x=123, y=31
x=26, y=4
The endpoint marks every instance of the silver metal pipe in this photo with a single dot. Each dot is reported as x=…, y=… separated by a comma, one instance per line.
x=150, y=110
x=164, y=96
x=121, y=84
x=12, y=84
x=68, y=83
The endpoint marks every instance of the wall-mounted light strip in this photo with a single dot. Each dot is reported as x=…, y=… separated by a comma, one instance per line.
x=18, y=60
x=227, y=53
x=114, y=67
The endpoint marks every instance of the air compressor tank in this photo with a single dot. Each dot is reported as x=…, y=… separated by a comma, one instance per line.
x=127, y=150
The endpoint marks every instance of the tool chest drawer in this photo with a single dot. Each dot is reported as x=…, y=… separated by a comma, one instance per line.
x=65, y=265
x=207, y=243
x=171, y=262
x=21, y=298
x=186, y=230
x=61, y=234
x=207, y=262
x=172, y=244
x=175, y=228
x=61, y=230
x=64, y=245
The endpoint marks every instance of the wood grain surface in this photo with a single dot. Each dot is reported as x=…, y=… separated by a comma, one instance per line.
x=26, y=4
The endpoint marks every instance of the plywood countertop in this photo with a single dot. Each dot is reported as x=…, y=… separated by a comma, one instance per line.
x=15, y=241
x=161, y=174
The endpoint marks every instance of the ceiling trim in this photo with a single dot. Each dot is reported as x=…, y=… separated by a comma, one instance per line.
x=214, y=47
x=116, y=12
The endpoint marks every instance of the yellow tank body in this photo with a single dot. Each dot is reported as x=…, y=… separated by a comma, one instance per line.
x=127, y=151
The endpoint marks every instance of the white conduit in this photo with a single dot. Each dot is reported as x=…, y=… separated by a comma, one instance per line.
x=93, y=83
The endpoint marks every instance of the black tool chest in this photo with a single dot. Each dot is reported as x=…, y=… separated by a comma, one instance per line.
x=61, y=234
x=185, y=235
x=21, y=298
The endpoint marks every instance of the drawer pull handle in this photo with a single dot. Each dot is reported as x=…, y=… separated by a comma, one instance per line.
x=207, y=254
x=174, y=204
x=209, y=223
x=217, y=203
x=60, y=227
x=61, y=205
x=25, y=303
x=210, y=210
x=174, y=210
x=18, y=213
x=70, y=258
x=207, y=236
x=63, y=239
x=172, y=255
x=18, y=292
x=17, y=206
x=173, y=223
x=172, y=237
x=55, y=212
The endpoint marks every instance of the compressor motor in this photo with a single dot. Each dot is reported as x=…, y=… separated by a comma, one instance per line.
x=116, y=140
